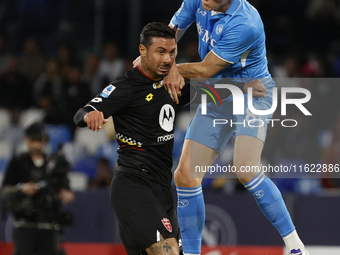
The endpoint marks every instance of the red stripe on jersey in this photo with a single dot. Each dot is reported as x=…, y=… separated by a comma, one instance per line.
x=145, y=74
x=136, y=148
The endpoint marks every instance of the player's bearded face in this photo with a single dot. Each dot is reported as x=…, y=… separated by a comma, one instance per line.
x=160, y=56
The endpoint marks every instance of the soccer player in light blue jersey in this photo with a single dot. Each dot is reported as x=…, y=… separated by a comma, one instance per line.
x=231, y=45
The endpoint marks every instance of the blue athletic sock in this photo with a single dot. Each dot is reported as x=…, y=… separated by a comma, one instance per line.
x=269, y=199
x=191, y=217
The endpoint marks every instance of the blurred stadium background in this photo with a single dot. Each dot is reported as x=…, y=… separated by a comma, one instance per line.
x=55, y=55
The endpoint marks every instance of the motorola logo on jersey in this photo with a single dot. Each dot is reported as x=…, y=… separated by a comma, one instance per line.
x=167, y=117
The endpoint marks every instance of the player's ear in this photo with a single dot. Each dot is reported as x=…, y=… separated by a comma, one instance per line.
x=142, y=50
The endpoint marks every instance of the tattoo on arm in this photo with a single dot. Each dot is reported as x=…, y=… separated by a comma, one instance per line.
x=162, y=247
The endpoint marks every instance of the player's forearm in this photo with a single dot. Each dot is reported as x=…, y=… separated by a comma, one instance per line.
x=79, y=117
x=194, y=70
x=179, y=32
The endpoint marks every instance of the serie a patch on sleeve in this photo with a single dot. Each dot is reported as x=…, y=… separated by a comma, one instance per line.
x=107, y=91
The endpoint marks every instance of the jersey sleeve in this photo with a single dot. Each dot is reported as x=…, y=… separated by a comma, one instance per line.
x=185, y=15
x=111, y=100
x=235, y=42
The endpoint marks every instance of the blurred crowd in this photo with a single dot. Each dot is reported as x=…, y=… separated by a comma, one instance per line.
x=50, y=69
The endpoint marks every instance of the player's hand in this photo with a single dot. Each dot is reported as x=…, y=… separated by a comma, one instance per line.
x=66, y=196
x=173, y=83
x=29, y=188
x=258, y=88
x=95, y=120
x=136, y=61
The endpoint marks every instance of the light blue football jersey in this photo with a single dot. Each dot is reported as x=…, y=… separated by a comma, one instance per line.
x=236, y=36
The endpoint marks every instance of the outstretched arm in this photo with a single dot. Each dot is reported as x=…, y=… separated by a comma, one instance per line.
x=207, y=68
x=210, y=66
x=94, y=120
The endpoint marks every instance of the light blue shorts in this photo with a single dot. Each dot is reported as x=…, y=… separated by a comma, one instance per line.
x=216, y=127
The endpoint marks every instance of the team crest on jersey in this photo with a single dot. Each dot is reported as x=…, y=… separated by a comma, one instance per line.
x=167, y=224
x=219, y=29
x=107, y=91
x=158, y=85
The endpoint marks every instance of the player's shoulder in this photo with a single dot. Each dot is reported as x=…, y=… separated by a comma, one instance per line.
x=246, y=23
x=118, y=87
x=246, y=16
x=191, y=6
x=122, y=81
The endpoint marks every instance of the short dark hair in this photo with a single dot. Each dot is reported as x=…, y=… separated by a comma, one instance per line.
x=156, y=29
x=36, y=131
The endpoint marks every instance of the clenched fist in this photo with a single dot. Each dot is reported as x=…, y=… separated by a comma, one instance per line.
x=95, y=120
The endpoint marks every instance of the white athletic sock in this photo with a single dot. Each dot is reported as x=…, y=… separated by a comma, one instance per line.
x=292, y=241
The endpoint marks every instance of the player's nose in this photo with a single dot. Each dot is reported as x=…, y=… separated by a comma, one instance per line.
x=167, y=58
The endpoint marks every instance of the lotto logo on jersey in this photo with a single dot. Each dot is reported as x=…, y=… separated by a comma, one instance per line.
x=167, y=224
x=107, y=91
x=149, y=97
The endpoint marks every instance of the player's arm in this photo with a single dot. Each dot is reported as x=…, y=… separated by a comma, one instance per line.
x=174, y=82
x=179, y=32
x=91, y=118
x=182, y=19
x=108, y=103
x=210, y=66
x=207, y=68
